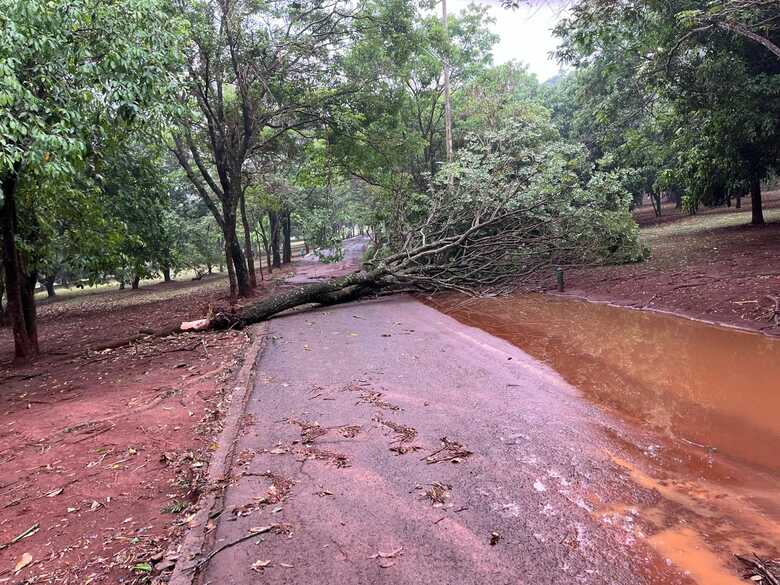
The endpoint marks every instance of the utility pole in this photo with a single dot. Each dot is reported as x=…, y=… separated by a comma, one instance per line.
x=447, y=106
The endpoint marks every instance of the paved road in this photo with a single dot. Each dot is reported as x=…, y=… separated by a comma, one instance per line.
x=344, y=452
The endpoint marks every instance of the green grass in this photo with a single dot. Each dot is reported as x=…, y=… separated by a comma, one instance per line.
x=695, y=224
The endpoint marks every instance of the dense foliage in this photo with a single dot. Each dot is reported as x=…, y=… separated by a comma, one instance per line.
x=149, y=138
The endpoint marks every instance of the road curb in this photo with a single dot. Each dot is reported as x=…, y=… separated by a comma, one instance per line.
x=188, y=551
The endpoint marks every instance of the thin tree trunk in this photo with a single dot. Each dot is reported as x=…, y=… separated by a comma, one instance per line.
x=287, y=239
x=231, y=273
x=275, y=229
x=266, y=246
x=136, y=282
x=259, y=247
x=25, y=338
x=48, y=282
x=28, y=307
x=250, y=257
x=656, y=199
x=447, y=102
x=756, y=205
x=3, y=314
x=166, y=271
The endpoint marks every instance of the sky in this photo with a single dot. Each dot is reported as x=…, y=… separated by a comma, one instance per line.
x=526, y=33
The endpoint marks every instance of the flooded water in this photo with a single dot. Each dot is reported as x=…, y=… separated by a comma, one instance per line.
x=713, y=387
x=706, y=398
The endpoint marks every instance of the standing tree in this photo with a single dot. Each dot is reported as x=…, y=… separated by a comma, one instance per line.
x=256, y=71
x=706, y=72
x=68, y=69
x=522, y=200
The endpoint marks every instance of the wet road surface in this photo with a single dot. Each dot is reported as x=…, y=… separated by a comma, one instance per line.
x=701, y=401
x=387, y=442
x=343, y=452
x=712, y=386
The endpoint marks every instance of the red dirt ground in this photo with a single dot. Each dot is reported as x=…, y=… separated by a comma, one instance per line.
x=102, y=451
x=713, y=266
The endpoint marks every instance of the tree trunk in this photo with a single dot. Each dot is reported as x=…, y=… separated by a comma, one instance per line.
x=739, y=201
x=28, y=306
x=233, y=248
x=48, y=282
x=266, y=246
x=250, y=257
x=656, y=199
x=287, y=243
x=21, y=308
x=756, y=205
x=331, y=292
x=275, y=237
x=3, y=314
x=230, y=271
x=259, y=247
x=136, y=282
x=166, y=272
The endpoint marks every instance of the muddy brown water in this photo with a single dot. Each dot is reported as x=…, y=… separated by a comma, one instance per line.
x=708, y=396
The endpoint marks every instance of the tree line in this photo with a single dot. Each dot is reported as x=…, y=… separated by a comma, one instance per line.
x=146, y=137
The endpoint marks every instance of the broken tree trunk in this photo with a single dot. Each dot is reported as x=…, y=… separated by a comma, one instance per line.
x=331, y=292
x=478, y=247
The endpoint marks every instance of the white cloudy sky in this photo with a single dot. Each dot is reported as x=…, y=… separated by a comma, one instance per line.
x=525, y=33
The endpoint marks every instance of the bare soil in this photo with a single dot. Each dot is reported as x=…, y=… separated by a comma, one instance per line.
x=713, y=266
x=103, y=451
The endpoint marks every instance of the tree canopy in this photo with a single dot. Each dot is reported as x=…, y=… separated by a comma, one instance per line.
x=145, y=138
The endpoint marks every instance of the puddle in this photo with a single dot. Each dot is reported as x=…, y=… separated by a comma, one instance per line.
x=685, y=549
x=714, y=388
x=705, y=403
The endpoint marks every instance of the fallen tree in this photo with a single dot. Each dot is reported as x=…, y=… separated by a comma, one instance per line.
x=519, y=203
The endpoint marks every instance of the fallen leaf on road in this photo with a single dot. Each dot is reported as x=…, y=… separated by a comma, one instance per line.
x=261, y=529
x=23, y=562
x=494, y=538
x=53, y=493
x=260, y=565
x=278, y=451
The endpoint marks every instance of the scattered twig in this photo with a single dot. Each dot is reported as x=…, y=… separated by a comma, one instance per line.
x=29, y=532
x=252, y=534
x=451, y=451
x=758, y=567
